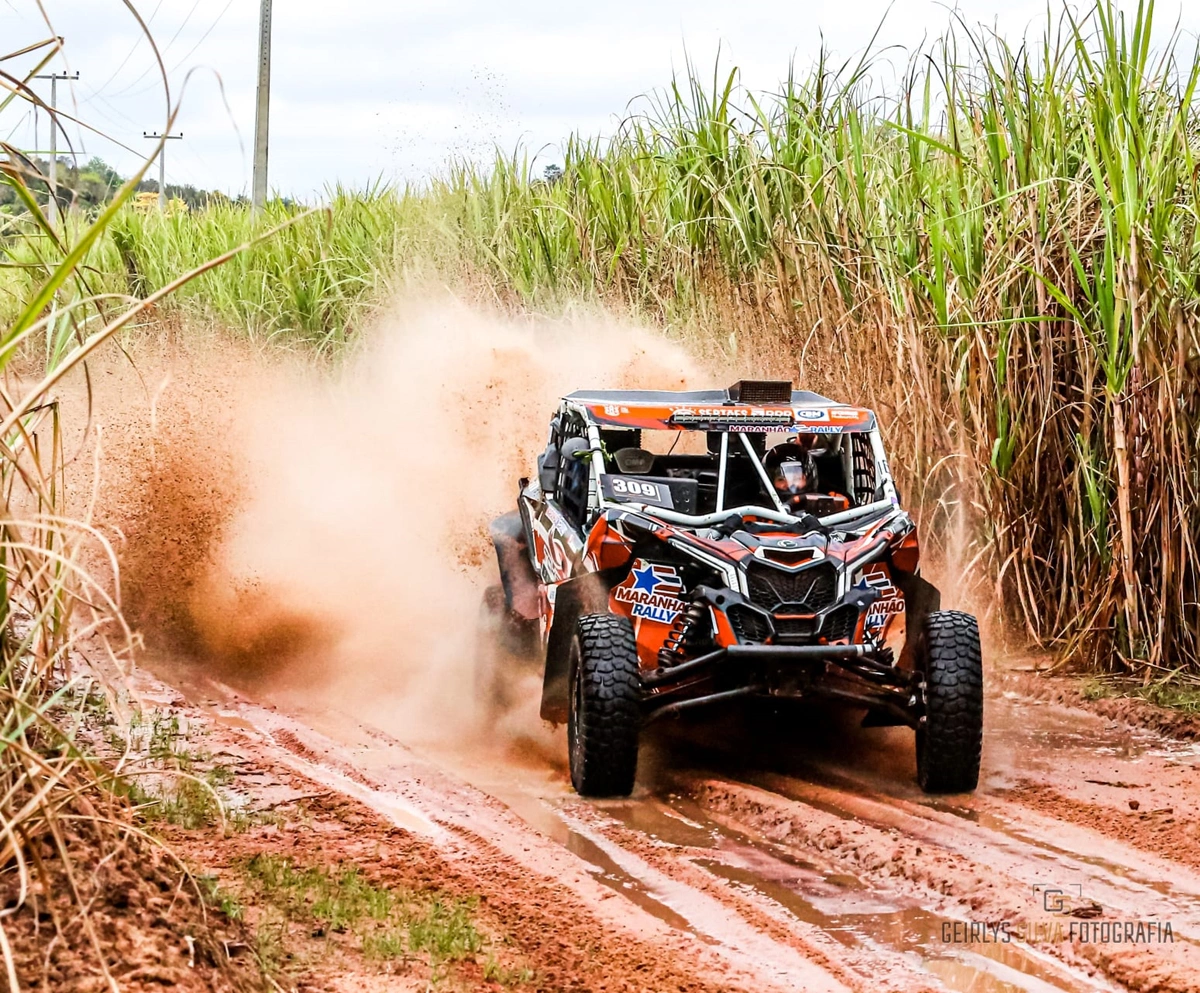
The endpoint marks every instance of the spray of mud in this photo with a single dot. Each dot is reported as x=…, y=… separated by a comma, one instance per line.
x=324, y=533
x=318, y=535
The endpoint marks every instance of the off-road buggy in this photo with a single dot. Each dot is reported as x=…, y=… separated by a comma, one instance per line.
x=683, y=550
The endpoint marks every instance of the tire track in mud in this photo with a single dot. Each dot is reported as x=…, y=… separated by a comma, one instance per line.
x=469, y=825
x=980, y=857
x=952, y=879
x=838, y=877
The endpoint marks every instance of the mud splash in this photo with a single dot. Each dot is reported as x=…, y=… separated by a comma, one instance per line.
x=325, y=530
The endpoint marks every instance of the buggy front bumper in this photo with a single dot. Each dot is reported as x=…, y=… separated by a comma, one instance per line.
x=859, y=675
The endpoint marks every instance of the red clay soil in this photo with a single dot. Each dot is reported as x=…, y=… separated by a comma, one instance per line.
x=146, y=926
x=1065, y=691
x=540, y=925
x=156, y=932
x=1163, y=830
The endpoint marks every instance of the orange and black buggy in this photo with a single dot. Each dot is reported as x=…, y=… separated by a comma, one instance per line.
x=685, y=550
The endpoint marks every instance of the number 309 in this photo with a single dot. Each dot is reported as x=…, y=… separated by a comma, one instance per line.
x=633, y=487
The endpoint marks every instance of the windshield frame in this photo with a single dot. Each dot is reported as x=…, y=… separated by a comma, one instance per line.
x=775, y=512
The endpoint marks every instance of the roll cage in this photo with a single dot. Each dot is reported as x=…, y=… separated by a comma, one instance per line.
x=585, y=478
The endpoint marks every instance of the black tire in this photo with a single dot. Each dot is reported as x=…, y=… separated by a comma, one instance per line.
x=515, y=635
x=491, y=696
x=950, y=740
x=504, y=645
x=604, y=717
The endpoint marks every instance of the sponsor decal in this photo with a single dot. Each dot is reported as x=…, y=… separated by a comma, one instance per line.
x=891, y=600
x=652, y=591
x=812, y=414
x=741, y=418
x=845, y=414
x=822, y=429
x=613, y=410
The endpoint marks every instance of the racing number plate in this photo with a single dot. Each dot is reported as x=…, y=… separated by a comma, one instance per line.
x=630, y=489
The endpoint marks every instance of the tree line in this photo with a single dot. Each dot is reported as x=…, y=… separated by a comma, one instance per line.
x=86, y=187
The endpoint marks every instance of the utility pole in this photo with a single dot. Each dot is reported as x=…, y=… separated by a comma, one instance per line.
x=263, y=107
x=162, y=165
x=54, y=77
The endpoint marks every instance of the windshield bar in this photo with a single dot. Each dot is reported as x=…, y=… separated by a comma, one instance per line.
x=762, y=472
x=707, y=520
x=722, y=471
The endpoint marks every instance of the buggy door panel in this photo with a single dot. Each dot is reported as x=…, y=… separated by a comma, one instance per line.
x=556, y=522
x=559, y=545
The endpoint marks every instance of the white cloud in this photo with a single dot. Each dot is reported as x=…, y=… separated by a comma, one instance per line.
x=367, y=88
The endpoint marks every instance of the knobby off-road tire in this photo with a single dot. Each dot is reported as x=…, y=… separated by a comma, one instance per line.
x=604, y=718
x=501, y=642
x=951, y=739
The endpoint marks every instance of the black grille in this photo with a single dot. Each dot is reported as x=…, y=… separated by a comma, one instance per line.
x=805, y=592
x=840, y=624
x=752, y=391
x=793, y=630
x=747, y=624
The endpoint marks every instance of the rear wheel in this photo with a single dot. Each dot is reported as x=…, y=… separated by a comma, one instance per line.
x=604, y=718
x=501, y=643
x=950, y=739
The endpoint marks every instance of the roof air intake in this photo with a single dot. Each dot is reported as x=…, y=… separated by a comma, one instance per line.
x=759, y=391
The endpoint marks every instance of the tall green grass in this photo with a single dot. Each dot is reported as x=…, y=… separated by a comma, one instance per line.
x=1001, y=254
x=999, y=251
x=62, y=303
x=310, y=283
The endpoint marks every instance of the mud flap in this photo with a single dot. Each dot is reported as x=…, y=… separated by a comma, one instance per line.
x=585, y=595
x=921, y=598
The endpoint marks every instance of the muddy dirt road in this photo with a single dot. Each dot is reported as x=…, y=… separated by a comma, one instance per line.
x=803, y=857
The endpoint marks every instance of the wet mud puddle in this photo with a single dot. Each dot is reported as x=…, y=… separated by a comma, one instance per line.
x=843, y=907
x=1025, y=740
x=636, y=847
x=836, y=903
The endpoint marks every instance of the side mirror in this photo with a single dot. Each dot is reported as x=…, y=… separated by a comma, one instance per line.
x=575, y=448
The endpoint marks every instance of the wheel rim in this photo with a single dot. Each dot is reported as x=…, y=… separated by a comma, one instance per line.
x=575, y=713
x=922, y=666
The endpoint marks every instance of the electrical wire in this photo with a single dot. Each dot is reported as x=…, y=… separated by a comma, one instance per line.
x=162, y=51
x=175, y=67
x=129, y=55
x=204, y=36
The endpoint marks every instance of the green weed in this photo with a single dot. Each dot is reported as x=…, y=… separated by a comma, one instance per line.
x=1095, y=689
x=225, y=902
x=495, y=972
x=389, y=923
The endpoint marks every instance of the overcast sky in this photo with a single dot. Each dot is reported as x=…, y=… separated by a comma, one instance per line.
x=368, y=89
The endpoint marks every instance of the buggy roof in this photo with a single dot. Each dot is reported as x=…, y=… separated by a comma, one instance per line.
x=713, y=410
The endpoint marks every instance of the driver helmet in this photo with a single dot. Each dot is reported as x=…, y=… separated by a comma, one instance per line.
x=792, y=469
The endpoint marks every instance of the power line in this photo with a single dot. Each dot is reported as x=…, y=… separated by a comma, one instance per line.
x=162, y=52
x=211, y=28
x=140, y=38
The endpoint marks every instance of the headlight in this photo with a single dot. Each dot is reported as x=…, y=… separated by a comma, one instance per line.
x=726, y=570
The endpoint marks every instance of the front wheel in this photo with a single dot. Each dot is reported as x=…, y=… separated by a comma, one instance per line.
x=604, y=719
x=950, y=738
